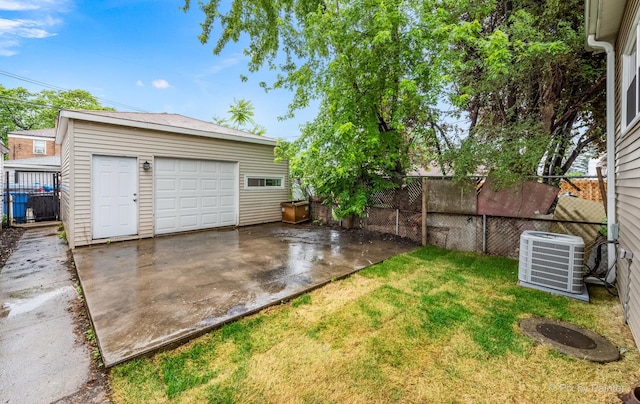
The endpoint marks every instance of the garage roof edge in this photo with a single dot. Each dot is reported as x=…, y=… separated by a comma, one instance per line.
x=125, y=120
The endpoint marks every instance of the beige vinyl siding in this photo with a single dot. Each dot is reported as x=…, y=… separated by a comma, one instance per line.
x=111, y=140
x=628, y=212
x=261, y=205
x=66, y=211
x=627, y=169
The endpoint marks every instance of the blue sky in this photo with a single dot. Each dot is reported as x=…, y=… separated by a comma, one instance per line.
x=143, y=54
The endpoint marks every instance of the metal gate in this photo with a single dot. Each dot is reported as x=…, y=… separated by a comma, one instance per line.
x=32, y=196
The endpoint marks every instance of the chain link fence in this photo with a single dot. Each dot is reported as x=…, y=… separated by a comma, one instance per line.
x=397, y=211
x=475, y=216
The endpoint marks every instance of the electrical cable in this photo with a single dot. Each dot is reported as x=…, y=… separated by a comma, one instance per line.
x=592, y=271
x=608, y=285
x=625, y=306
x=33, y=104
x=54, y=87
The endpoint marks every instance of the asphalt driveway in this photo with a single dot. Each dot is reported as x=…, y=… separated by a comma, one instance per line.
x=147, y=294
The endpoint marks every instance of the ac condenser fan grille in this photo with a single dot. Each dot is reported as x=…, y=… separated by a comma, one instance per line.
x=552, y=260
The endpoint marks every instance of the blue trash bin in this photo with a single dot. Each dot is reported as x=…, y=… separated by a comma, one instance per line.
x=20, y=206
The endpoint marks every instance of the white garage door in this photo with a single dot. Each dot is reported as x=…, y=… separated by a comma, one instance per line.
x=194, y=194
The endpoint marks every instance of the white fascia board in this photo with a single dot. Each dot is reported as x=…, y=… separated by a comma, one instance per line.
x=8, y=165
x=46, y=139
x=62, y=125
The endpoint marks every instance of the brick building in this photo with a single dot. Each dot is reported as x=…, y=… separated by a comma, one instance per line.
x=26, y=144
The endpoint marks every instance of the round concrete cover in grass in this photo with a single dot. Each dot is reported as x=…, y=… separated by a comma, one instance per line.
x=570, y=339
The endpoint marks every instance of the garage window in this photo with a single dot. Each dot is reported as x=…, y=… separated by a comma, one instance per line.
x=261, y=182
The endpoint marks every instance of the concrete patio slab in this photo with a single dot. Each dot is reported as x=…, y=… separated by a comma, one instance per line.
x=147, y=294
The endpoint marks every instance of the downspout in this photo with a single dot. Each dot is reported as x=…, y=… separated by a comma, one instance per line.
x=612, y=225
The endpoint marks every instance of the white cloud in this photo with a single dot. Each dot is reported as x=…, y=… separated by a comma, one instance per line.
x=226, y=63
x=139, y=83
x=23, y=29
x=30, y=5
x=7, y=26
x=11, y=5
x=161, y=83
x=35, y=33
x=202, y=79
x=5, y=48
x=33, y=20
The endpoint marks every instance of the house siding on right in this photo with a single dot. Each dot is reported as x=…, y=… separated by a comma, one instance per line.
x=627, y=174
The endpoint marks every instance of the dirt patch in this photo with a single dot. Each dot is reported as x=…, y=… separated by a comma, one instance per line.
x=9, y=237
x=367, y=235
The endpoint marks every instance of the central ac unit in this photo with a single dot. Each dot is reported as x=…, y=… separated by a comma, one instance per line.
x=553, y=263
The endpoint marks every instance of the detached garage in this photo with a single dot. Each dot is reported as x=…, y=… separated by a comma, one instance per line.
x=129, y=175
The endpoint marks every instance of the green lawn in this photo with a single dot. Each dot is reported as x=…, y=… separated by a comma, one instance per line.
x=427, y=326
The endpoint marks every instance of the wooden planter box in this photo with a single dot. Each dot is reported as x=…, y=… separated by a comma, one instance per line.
x=295, y=212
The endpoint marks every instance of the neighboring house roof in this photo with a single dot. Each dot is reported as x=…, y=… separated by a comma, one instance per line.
x=434, y=170
x=3, y=149
x=603, y=17
x=159, y=121
x=49, y=132
x=48, y=163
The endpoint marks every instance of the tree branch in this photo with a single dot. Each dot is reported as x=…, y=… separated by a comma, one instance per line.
x=596, y=88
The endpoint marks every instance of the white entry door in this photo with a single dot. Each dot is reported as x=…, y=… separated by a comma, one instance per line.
x=114, y=196
x=194, y=194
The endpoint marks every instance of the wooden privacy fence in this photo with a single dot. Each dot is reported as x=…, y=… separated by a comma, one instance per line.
x=588, y=189
x=470, y=217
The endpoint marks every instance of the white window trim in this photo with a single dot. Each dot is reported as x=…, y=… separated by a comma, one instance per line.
x=263, y=176
x=44, y=148
x=632, y=42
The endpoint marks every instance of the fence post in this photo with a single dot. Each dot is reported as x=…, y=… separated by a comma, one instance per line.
x=397, y=220
x=424, y=211
x=603, y=192
x=8, y=201
x=484, y=234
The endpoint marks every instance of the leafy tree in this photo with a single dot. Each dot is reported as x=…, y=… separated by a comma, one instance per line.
x=15, y=111
x=23, y=110
x=516, y=71
x=368, y=61
x=534, y=96
x=241, y=118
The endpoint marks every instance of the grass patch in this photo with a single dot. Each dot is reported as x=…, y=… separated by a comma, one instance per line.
x=137, y=381
x=441, y=313
x=414, y=328
x=301, y=300
x=188, y=369
x=219, y=394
